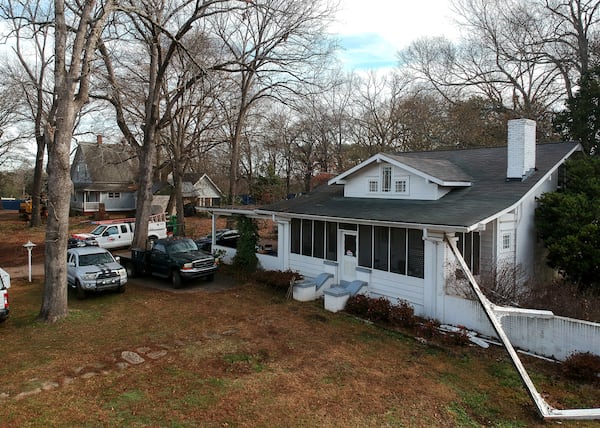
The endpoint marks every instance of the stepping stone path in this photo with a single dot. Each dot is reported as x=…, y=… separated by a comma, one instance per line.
x=127, y=359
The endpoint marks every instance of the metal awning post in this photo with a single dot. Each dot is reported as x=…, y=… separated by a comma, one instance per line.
x=545, y=410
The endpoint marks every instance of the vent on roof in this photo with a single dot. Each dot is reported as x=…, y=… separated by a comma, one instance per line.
x=521, y=149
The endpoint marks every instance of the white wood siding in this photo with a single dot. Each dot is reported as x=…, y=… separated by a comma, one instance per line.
x=394, y=286
x=357, y=185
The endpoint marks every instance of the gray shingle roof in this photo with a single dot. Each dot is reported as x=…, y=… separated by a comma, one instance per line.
x=105, y=167
x=490, y=193
x=442, y=169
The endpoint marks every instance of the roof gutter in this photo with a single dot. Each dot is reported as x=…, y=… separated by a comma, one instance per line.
x=286, y=215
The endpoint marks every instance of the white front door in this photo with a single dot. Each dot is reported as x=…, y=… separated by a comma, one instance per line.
x=347, y=255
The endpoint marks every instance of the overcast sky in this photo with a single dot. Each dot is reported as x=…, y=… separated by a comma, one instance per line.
x=372, y=32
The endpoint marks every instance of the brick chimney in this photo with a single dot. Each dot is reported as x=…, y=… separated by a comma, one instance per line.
x=521, y=149
x=99, y=139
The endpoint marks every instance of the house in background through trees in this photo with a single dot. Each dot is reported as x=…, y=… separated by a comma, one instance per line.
x=382, y=227
x=104, y=178
x=198, y=190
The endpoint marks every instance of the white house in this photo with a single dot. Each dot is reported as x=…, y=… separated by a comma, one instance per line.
x=380, y=226
x=200, y=190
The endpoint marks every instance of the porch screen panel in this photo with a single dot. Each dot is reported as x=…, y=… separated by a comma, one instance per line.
x=319, y=239
x=331, y=241
x=307, y=237
x=476, y=251
x=295, y=235
x=468, y=252
x=416, y=253
x=365, y=246
x=380, y=247
x=469, y=245
x=398, y=250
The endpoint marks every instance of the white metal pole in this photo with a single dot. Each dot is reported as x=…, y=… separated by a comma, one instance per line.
x=29, y=259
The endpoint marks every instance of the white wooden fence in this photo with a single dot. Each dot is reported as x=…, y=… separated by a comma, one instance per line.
x=539, y=332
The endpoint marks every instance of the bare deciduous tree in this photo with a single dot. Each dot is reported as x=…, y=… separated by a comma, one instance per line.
x=273, y=46
x=77, y=29
x=161, y=32
x=31, y=31
x=523, y=55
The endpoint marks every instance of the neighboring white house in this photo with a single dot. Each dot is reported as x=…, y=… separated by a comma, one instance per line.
x=383, y=221
x=200, y=190
x=105, y=178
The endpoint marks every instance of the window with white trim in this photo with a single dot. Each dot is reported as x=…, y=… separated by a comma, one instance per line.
x=386, y=179
x=373, y=185
x=401, y=186
x=506, y=241
x=114, y=195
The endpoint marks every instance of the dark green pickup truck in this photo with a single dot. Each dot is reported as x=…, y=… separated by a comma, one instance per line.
x=176, y=258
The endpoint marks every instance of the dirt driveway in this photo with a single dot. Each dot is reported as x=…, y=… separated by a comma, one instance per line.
x=223, y=281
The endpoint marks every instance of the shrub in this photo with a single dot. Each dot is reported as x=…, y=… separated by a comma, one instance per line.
x=358, y=305
x=379, y=309
x=582, y=366
x=459, y=338
x=402, y=314
x=429, y=329
x=276, y=278
x=245, y=260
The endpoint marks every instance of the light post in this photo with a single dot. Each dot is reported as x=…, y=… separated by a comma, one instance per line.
x=29, y=245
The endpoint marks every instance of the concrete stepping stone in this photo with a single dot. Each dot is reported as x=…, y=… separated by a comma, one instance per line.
x=132, y=357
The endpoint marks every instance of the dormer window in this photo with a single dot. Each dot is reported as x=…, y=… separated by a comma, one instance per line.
x=386, y=179
x=388, y=182
x=373, y=186
x=401, y=185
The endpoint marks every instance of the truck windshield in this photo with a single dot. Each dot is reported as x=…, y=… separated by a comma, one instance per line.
x=98, y=230
x=182, y=246
x=95, y=259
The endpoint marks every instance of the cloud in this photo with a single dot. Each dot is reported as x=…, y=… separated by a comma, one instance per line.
x=366, y=51
x=370, y=34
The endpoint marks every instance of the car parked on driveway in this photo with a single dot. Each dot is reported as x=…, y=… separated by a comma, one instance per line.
x=93, y=268
x=224, y=237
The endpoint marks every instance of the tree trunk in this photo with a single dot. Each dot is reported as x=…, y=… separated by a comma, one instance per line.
x=54, y=301
x=147, y=155
x=36, y=193
x=234, y=168
x=178, y=191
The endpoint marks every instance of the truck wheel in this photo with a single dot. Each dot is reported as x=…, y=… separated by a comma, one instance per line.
x=81, y=293
x=131, y=271
x=122, y=288
x=176, y=279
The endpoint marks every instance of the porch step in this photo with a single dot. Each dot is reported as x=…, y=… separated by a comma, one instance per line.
x=311, y=288
x=337, y=296
x=349, y=288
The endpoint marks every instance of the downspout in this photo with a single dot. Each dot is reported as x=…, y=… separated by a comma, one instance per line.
x=545, y=410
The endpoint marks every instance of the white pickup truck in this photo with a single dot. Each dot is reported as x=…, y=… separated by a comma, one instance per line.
x=118, y=233
x=4, y=286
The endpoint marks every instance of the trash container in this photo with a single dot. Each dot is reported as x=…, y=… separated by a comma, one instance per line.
x=172, y=226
